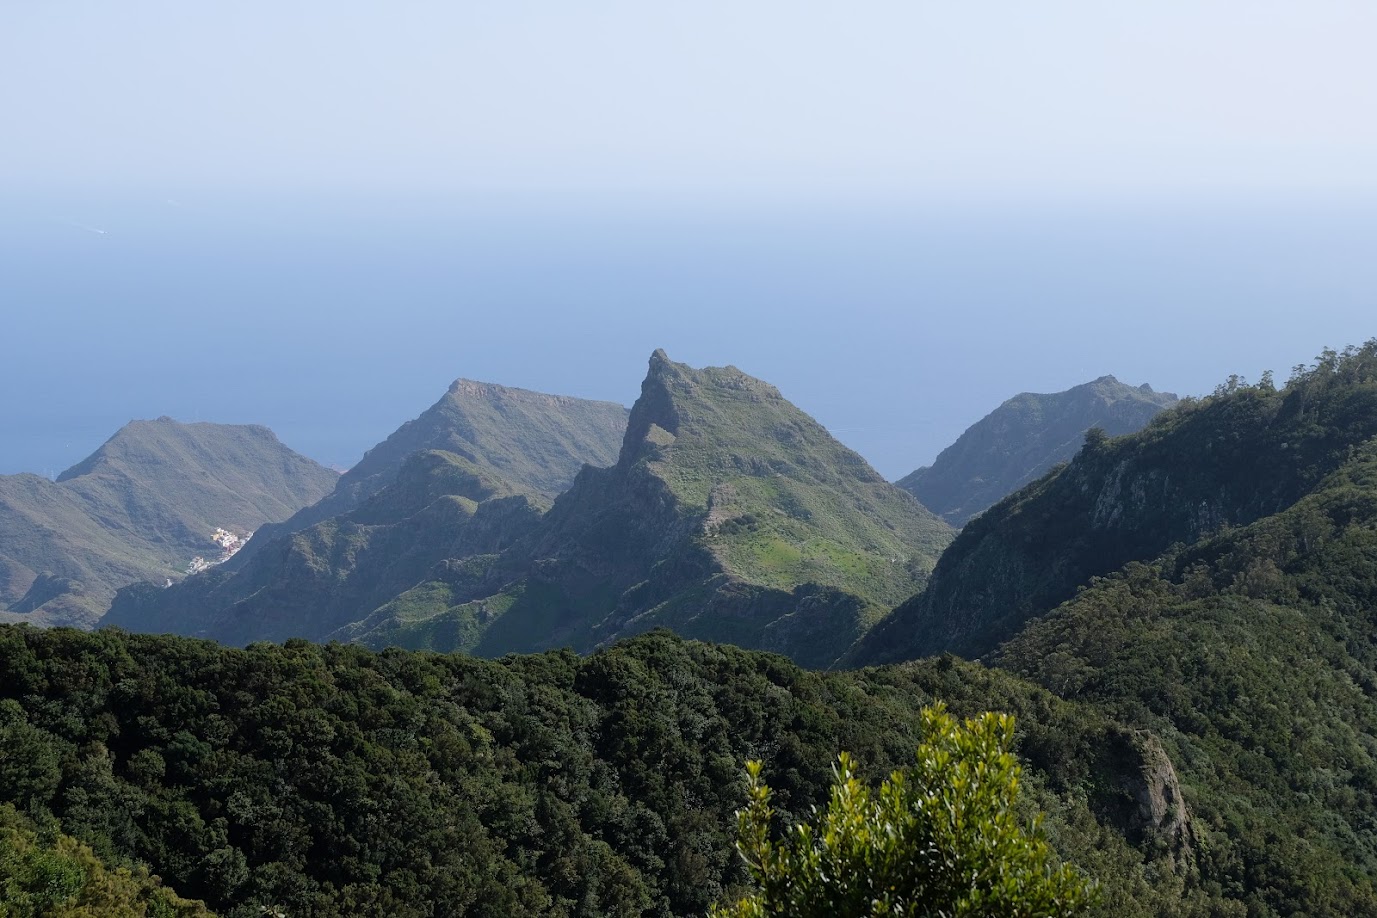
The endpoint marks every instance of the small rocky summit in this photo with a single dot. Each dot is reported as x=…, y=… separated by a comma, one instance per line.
x=1022, y=439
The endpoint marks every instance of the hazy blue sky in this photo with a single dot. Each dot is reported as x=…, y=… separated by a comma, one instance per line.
x=314, y=215
x=756, y=98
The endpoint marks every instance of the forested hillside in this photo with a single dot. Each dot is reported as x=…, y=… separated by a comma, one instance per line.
x=1227, y=460
x=1252, y=654
x=1243, y=637
x=332, y=780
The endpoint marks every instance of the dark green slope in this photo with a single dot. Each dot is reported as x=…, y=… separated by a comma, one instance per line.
x=537, y=442
x=1253, y=655
x=1022, y=439
x=730, y=515
x=140, y=508
x=312, y=582
x=333, y=781
x=1242, y=454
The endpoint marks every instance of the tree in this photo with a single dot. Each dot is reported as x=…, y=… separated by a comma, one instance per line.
x=938, y=838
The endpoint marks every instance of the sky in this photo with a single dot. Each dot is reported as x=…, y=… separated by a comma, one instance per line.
x=315, y=215
x=787, y=99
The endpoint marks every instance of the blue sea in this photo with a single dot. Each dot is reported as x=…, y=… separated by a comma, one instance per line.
x=333, y=319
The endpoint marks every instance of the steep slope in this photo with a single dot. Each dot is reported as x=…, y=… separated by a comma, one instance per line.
x=537, y=442
x=1245, y=453
x=312, y=582
x=1252, y=655
x=139, y=508
x=730, y=515
x=1022, y=439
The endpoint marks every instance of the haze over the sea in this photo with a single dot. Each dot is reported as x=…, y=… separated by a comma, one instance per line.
x=315, y=215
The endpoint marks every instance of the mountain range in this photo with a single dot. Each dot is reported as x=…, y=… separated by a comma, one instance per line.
x=534, y=441
x=463, y=479
x=727, y=514
x=1181, y=618
x=141, y=507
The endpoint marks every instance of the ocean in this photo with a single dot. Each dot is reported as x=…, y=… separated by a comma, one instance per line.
x=333, y=319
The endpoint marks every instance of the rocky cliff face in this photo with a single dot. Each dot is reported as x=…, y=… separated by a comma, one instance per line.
x=1023, y=439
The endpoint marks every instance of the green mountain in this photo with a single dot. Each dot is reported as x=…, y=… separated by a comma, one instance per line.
x=1212, y=581
x=1252, y=656
x=729, y=515
x=534, y=441
x=334, y=781
x=466, y=477
x=1181, y=620
x=312, y=582
x=141, y=508
x=1023, y=439
x=1205, y=465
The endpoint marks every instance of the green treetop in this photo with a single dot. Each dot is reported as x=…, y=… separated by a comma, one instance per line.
x=939, y=838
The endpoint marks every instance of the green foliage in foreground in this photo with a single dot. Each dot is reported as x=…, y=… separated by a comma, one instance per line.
x=940, y=837
x=45, y=874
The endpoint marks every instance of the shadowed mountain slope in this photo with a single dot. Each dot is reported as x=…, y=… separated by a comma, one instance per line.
x=1022, y=439
x=333, y=573
x=140, y=508
x=1252, y=655
x=730, y=515
x=1242, y=454
x=537, y=442
x=1239, y=632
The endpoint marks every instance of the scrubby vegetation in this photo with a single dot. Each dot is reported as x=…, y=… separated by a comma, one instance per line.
x=46, y=874
x=940, y=837
x=1244, y=453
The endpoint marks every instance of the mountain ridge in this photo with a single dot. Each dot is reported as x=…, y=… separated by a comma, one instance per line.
x=480, y=422
x=1022, y=439
x=141, y=506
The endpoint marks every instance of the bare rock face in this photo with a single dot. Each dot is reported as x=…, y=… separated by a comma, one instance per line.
x=1150, y=809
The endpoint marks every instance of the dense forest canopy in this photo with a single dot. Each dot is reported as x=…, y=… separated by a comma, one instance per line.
x=332, y=780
